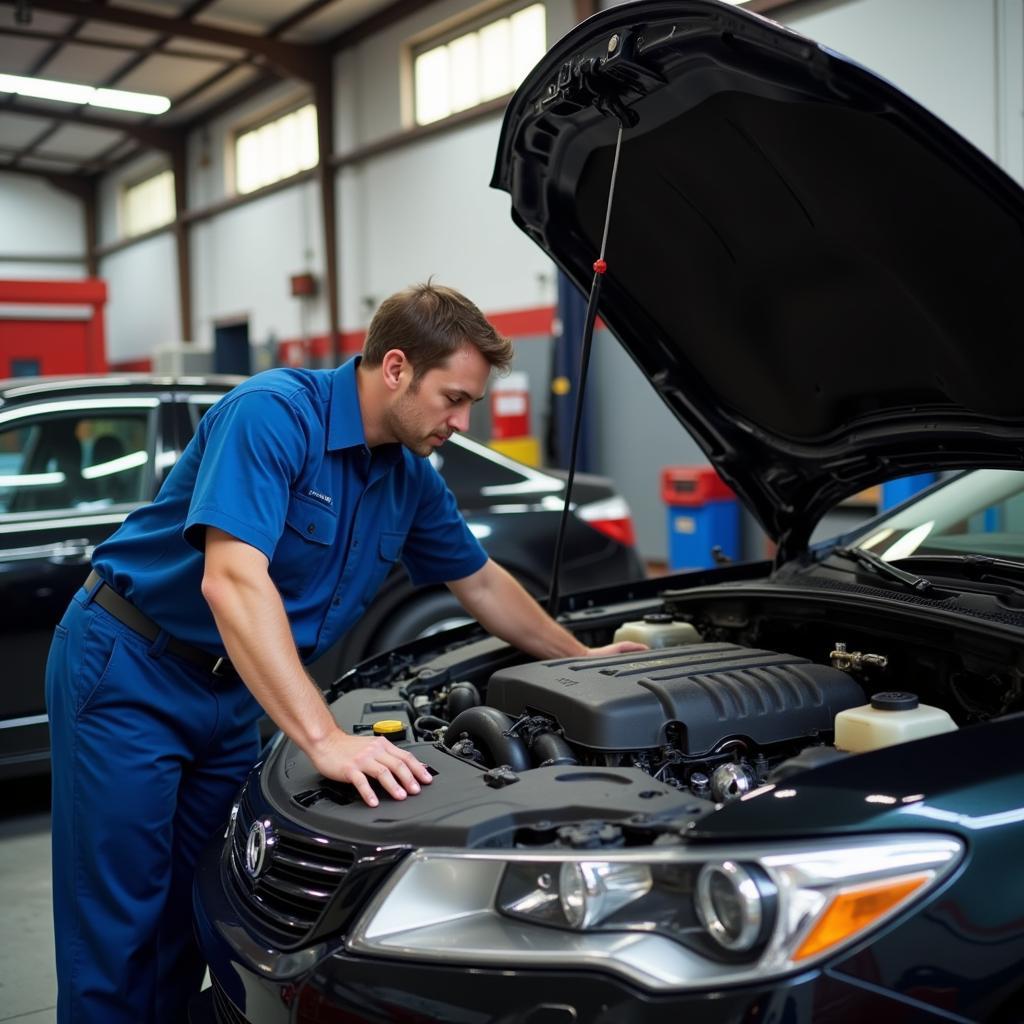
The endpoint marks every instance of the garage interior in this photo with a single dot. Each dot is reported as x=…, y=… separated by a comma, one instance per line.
x=303, y=171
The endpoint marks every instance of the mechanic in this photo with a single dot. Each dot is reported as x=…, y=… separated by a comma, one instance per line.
x=266, y=542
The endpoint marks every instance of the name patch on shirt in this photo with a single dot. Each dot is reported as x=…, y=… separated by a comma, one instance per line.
x=325, y=498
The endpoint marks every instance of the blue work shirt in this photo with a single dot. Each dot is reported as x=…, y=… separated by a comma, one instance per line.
x=281, y=463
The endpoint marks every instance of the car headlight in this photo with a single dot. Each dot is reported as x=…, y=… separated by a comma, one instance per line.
x=667, y=917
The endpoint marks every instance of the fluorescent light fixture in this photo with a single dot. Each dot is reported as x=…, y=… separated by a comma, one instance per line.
x=69, y=92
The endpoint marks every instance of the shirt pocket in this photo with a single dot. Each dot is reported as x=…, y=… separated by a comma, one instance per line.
x=310, y=530
x=389, y=550
x=391, y=544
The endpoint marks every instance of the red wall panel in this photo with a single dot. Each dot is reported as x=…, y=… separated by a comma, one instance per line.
x=58, y=346
x=54, y=344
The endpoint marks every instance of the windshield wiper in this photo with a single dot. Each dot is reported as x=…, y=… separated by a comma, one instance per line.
x=883, y=568
x=983, y=568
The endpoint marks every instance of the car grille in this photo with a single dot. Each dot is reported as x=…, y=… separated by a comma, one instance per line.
x=225, y=1011
x=302, y=873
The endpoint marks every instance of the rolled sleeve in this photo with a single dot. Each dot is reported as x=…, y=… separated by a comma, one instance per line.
x=253, y=448
x=440, y=547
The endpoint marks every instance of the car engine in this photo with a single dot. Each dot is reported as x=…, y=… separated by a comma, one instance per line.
x=711, y=718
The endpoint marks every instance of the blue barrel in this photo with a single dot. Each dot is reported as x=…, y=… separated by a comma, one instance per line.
x=702, y=513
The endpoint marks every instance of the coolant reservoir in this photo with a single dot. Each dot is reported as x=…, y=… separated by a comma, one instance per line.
x=890, y=718
x=657, y=630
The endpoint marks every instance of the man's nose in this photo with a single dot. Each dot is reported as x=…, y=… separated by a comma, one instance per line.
x=459, y=420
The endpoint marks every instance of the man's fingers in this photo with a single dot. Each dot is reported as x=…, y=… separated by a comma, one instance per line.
x=419, y=770
x=383, y=775
x=363, y=787
x=402, y=772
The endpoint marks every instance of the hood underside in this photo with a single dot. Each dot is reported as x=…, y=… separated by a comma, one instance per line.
x=819, y=277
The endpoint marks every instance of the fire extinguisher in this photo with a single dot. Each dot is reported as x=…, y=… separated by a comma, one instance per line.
x=510, y=406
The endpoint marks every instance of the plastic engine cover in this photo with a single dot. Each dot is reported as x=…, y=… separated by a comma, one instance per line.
x=713, y=691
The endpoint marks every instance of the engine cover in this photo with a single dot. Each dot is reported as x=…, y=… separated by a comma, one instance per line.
x=711, y=691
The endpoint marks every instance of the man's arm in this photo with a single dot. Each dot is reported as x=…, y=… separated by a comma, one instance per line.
x=252, y=622
x=500, y=604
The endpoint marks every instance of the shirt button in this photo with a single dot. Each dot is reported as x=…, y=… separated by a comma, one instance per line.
x=311, y=528
x=336, y=602
x=355, y=544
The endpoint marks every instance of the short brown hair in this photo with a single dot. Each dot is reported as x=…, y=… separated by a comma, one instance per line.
x=430, y=322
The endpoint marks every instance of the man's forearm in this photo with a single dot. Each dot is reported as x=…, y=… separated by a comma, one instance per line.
x=504, y=608
x=254, y=627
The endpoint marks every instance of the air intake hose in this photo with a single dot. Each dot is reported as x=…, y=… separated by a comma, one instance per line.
x=488, y=728
x=551, y=749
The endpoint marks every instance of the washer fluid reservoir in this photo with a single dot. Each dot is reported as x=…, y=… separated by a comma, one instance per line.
x=889, y=719
x=657, y=630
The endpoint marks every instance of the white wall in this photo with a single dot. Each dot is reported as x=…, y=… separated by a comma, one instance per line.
x=142, y=279
x=38, y=220
x=142, y=299
x=427, y=209
x=241, y=262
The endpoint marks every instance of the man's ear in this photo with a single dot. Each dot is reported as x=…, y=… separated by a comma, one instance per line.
x=394, y=366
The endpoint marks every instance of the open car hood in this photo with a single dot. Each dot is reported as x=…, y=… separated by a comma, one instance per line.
x=820, y=278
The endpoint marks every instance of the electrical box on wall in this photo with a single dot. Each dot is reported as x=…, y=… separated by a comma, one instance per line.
x=303, y=285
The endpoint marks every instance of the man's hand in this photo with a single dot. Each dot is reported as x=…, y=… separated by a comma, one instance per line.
x=499, y=603
x=622, y=647
x=357, y=759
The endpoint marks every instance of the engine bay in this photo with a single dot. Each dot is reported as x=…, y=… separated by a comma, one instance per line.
x=523, y=749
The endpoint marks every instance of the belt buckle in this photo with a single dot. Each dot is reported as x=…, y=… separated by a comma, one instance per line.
x=220, y=667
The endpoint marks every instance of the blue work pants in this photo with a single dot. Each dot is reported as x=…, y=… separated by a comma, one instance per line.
x=148, y=752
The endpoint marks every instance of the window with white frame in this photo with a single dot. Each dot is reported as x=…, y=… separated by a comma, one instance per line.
x=276, y=150
x=148, y=204
x=475, y=66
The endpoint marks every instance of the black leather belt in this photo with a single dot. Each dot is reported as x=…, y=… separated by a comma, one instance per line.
x=125, y=612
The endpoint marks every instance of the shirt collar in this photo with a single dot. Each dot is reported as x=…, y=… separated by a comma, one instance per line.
x=345, y=429
x=346, y=425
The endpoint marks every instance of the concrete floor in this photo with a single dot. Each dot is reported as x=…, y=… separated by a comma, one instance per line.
x=28, y=983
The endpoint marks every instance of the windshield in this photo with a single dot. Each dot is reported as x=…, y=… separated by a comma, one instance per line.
x=981, y=512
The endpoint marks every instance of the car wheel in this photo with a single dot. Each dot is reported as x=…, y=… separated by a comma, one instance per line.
x=425, y=615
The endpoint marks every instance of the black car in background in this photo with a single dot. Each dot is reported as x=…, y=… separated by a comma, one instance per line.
x=803, y=803
x=78, y=454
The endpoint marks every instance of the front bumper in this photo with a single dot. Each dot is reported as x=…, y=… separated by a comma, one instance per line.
x=323, y=982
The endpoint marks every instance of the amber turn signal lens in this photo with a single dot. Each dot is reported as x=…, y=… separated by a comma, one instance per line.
x=853, y=910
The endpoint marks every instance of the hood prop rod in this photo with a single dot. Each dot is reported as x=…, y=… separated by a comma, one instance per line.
x=600, y=267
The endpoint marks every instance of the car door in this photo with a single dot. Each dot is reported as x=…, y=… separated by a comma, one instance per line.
x=70, y=472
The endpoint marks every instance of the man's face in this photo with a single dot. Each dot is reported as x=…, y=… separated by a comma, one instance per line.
x=429, y=410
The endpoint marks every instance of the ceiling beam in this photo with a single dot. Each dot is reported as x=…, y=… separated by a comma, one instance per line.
x=154, y=45
x=303, y=62
x=158, y=138
x=61, y=158
x=51, y=51
x=112, y=79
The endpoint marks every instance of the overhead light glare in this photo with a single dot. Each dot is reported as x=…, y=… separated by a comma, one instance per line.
x=69, y=92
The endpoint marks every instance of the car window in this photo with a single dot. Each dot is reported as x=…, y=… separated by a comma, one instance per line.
x=77, y=459
x=981, y=512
